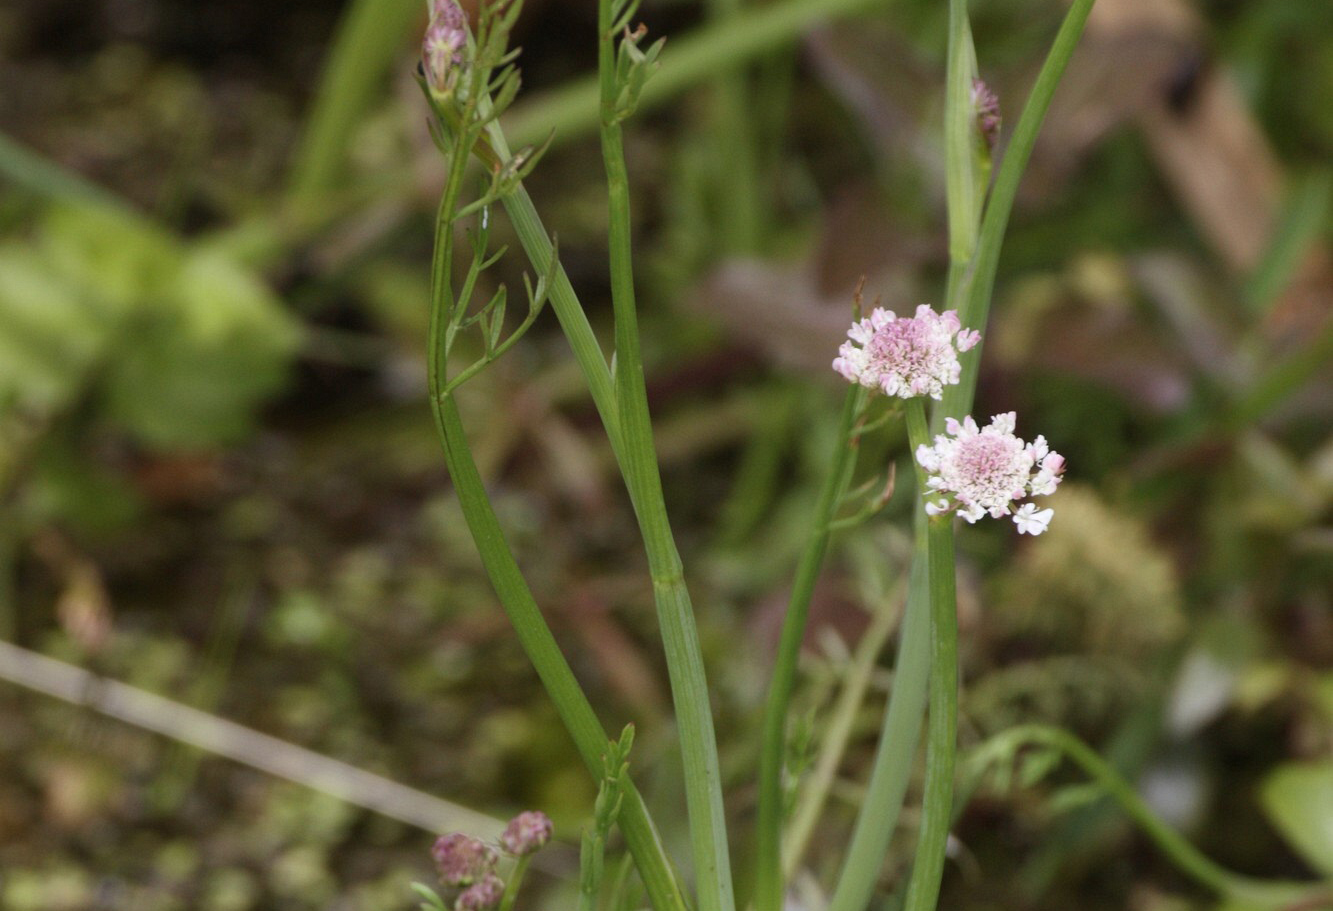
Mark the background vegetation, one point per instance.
(219, 482)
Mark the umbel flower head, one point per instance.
(905, 356)
(988, 469)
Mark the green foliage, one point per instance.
(1299, 801)
(178, 345)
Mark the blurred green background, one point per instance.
(219, 481)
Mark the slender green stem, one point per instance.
(515, 597)
(514, 883)
(897, 745)
(1187, 858)
(937, 807)
(544, 653)
(536, 243)
(836, 734)
(638, 462)
(981, 280)
(769, 885)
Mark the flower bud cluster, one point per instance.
(443, 46)
(526, 833)
(987, 106)
(469, 864)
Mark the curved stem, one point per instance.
(1187, 858)
(515, 597)
(769, 885)
(542, 650)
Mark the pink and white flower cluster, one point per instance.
(981, 470)
(905, 356)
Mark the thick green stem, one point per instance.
(937, 806)
(769, 885)
(638, 462)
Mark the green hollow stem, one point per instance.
(542, 650)
(514, 883)
(923, 888)
(979, 284)
(769, 884)
(590, 739)
(1186, 858)
(896, 749)
(680, 637)
(638, 463)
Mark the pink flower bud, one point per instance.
(987, 106)
(482, 895)
(527, 832)
(462, 859)
(442, 47)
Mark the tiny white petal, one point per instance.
(1031, 521)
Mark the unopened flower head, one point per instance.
(905, 356)
(463, 860)
(482, 895)
(987, 105)
(987, 469)
(526, 833)
(442, 48)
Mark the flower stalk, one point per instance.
(769, 881)
(462, 132)
(937, 803)
(623, 71)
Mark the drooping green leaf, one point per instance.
(1298, 799)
